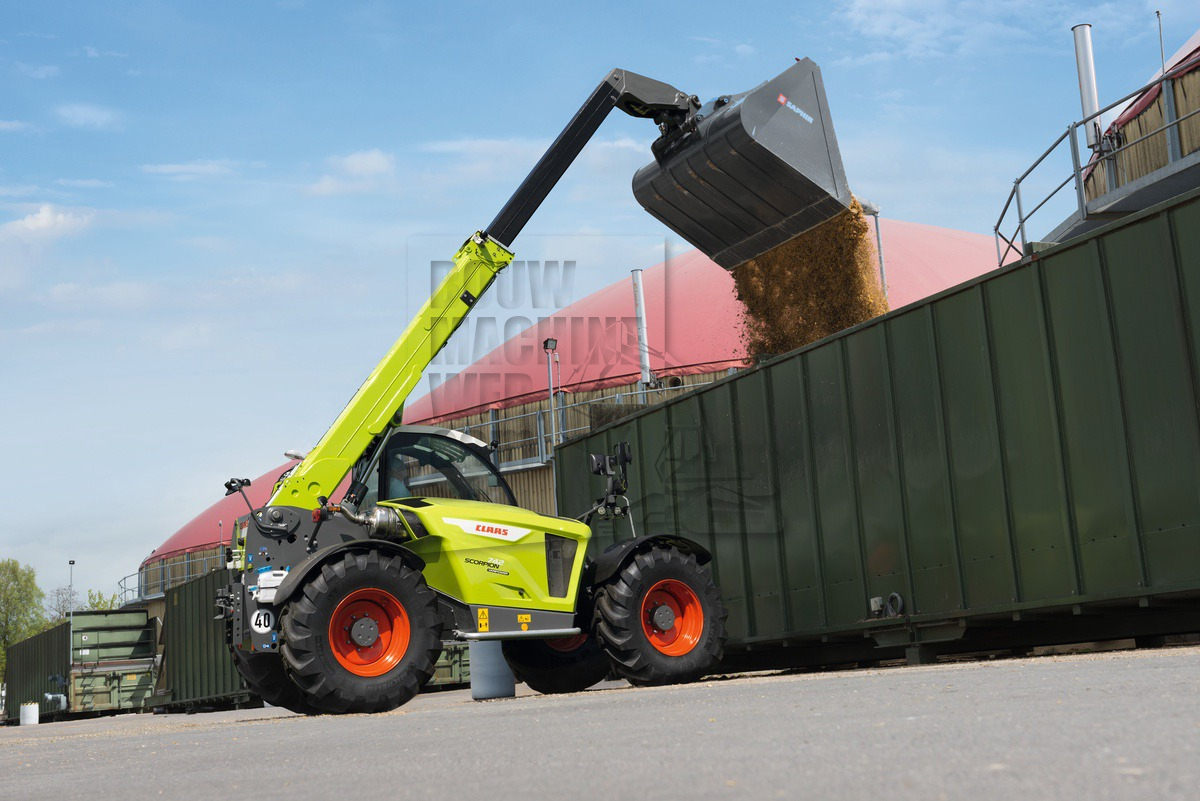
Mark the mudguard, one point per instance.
(299, 572)
(609, 563)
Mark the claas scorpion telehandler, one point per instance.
(340, 606)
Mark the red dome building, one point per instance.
(694, 333)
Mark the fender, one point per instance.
(299, 572)
(613, 560)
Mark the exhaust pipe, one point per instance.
(1086, 66)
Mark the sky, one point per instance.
(216, 216)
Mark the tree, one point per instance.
(59, 605)
(20, 605)
(101, 602)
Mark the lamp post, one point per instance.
(550, 345)
(71, 614)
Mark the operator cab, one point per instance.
(431, 462)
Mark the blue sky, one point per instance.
(209, 211)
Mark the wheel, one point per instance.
(661, 620)
(559, 665)
(265, 676)
(364, 635)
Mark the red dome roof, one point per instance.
(693, 320)
(694, 326)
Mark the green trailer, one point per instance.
(1012, 462)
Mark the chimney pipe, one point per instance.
(639, 307)
(1088, 98)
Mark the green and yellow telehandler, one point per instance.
(342, 606)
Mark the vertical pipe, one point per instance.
(879, 245)
(71, 617)
(1021, 221)
(550, 386)
(639, 308)
(1085, 65)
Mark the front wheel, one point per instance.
(364, 635)
(661, 619)
(265, 676)
(559, 665)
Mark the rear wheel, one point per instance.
(559, 665)
(265, 677)
(364, 635)
(661, 619)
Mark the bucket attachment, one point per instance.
(761, 168)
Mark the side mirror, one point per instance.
(598, 464)
(624, 453)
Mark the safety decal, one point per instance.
(483, 620)
(524, 618)
(494, 530)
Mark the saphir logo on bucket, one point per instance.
(783, 101)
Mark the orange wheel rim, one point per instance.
(567, 644)
(369, 632)
(686, 614)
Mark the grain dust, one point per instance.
(819, 283)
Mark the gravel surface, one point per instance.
(1118, 725)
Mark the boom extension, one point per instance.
(379, 402)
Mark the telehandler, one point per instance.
(342, 606)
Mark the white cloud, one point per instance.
(19, 190)
(94, 52)
(121, 295)
(86, 115)
(38, 72)
(745, 50)
(191, 170)
(194, 334)
(47, 223)
(361, 171)
(13, 125)
(83, 183)
(365, 163)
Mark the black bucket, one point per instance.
(762, 168)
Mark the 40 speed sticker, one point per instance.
(262, 621)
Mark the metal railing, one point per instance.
(1108, 152)
(155, 579)
(525, 440)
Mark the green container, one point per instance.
(197, 666)
(453, 668)
(112, 686)
(1025, 442)
(34, 667)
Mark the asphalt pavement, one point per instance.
(1118, 725)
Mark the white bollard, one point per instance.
(490, 675)
(29, 714)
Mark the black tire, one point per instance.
(265, 677)
(308, 653)
(618, 626)
(550, 670)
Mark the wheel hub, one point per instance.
(364, 632)
(663, 618)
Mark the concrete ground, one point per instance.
(1118, 725)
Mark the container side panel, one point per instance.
(975, 460)
(758, 491)
(725, 505)
(796, 510)
(1028, 423)
(1093, 424)
(845, 595)
(1159, 399)
(926, 485)
(650, 451)
(880, 508)
(688, 467)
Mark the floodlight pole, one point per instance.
(71, 614)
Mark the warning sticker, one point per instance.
(483, 620)
(524, 618)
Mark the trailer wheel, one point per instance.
(559, 665)
(265, 677)
(661, 619)
(364, 635)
